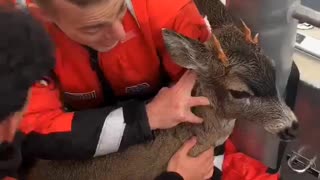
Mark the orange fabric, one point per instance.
(44, 112)
(237, 166)
(194, 28)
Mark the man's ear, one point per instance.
(186, 52)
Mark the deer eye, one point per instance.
(239, 94)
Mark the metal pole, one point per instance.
(306, 14)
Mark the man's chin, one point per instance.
(105, 48)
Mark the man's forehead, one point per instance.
(100, 12)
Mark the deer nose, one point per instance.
(290, 133)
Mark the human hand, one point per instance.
(172, 106)
(192, 168)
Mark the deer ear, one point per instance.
(185, 51)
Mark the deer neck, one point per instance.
(215, 128)
(214, 131)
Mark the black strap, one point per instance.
(109, 96)
(219, 150)
(292, 86)
(217, 174)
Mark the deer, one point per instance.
(232, 72)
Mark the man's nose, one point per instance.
(118, 31)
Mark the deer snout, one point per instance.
(283, 123)
(289, 133)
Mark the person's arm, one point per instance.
(53, 133)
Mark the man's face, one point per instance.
(9, 126)
(98, 26)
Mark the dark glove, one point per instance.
(10, 157)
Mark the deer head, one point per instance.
(236, 76)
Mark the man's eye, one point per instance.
(92, 30)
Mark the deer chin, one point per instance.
(227, 132)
